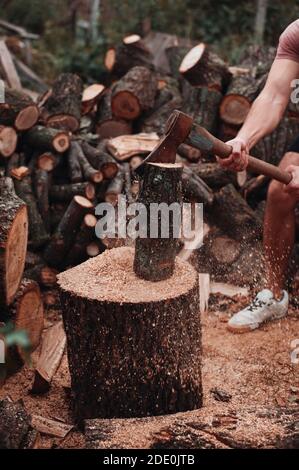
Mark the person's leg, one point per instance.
(279, 229)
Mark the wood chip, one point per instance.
(50, 426)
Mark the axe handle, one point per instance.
(201, 139)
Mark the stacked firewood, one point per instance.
(77, 146)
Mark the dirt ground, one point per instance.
(254, 368)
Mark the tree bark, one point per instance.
(16, 431)
(43, 138)
(18, 110)
(13, 240)
(108, 125)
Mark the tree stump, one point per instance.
(134, 346)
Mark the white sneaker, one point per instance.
(263, 308)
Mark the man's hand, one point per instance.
(293, 186)
(238, 159)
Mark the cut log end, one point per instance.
(8, 141)
(61, 142)
(113, 128)
(83, 202)
(64, 122)
(125, 105)
(133, 38)
(234, 109)
(192, 58)
(92, 92)
(27, 118)
(109, 60)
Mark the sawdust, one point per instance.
(110, 277)
(255, 368)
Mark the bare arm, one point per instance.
(267, 110)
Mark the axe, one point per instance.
(180, 128)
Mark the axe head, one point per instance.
(177, 130)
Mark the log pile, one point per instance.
(76, 146)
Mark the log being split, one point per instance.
(65, 233)
(134, 347)
(155, 257)
(13, 240)
(201, 67)
(64, 103)
(134, 93)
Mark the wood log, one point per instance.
(41, 183)
(74, 167)
(135, 162)
(43, 138)
(65, 233)
(160, 364)
(241, 92)
(233, 215)
(134, 93)
(202, 104)
(12, 162)
(100, 160)
(53, 346)
(13, 240)
(47, 161)
(7, 67)
(168, 98)
(125, 146)
(130, 53)
(202, 67)
(195, 189)
(190, 153)
(20, 172)
(200, 429)
(18, 110)
(38, 235)
(66, 192)
(155, 254)
(258, 59)
(115, 188)
(8, 141)
(78, 253)
(214, 175)
(16, 431)
(175, 55)
(27, 313)
(90, 173)
(64, 103)
(43, 274)
(108, 125)
(90, 97)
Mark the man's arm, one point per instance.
(265, 113)
(268, 108)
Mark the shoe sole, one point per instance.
(247, 329)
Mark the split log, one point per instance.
(64, 104)
(38, 235)
(66, 192)
(27, 313)
(53, 345)
(90, 97)
(13, 240)
(125, 146)
(79, 253)
(160, 369)
(50, 427)
(8, 141)
(131, 53)
(195, 189)
(214, 175)
(90, 173)
(202, 67)
(43, 138)
(108, 125)
(18, 110)
(16, 431)
(155, 253)
(241, 92)
(232, 214)
(44, 275)
(202, 104)
(134, 93)
(100, 160)
(20, 172)
(65, 233)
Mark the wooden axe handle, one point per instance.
(201, 139)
